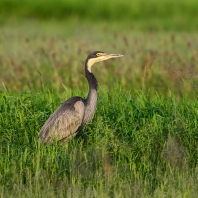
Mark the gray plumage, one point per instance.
(69, 118)
(65, 122)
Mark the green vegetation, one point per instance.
(163, 15)
(143, 141)
(135, 147)
(55, 55)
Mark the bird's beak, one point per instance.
(108, 56)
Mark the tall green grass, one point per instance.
(140, 144)
(135, 147)
(166, 14)
(55, 54)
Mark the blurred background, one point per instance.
(45, 42)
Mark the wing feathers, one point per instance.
(65, 122)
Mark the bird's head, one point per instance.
(98, 56)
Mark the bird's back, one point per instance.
(65, 122)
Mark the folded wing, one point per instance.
(65, 122)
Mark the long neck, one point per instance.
(91, 99)
(93, 83)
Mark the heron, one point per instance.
(67, 121)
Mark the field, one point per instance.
(166, 15)
(143, 141)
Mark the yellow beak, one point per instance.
(108, 56)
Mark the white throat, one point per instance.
(91, 62)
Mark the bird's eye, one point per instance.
(98, 54)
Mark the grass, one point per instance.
(135, 147)
(178, 15)
(162, 61)
(143, 139)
